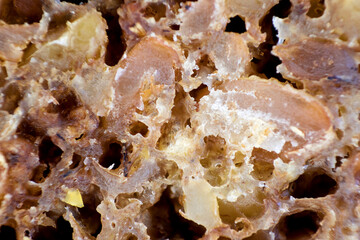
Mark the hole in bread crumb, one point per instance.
(3, 76)
(31, 196)
(7, 232)
(205, 163)
(139, 127)
(45, 84)
(342, 111)
(116, 45)
(67, 99)
(205, 67)
(112, 156)
(229, 215)
(12, 98)
(33, 190)
(250, 207)
(223, 238)
(264, 62)
(29, 12)
(188, 123)
(77, 2)
(263, 163)
(79, 137)
(62, 231)
(317, 8)
(40, 173)
(239, 159)
(27, 204)
(166, 136)
(89, 217)
(313, 183)
(338, 162)
(199, 92)
(344, 37)
(282, 9)
(49, 153)
(214, 161)
(27, 53)
(122, 200)
(167, 223)
(300, 225)
(236, 25)
(259, 235)
(29, 131)
(339, 159)
(339, 134)
(179, 115)
(131, 237)
(155, 10)
(175, 27)
(172, 171)
(76, 159)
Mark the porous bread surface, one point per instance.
(177, 119)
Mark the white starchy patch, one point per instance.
(183, 146)
(119, 73)
(290, 171)
(248, 129)
(63, 40)
(262, 184)
(163, 108)
(233, 195)
(297, 131)
(274, 143)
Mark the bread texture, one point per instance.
(174, 119)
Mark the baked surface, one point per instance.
(178, 119)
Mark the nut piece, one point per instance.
(73, 197)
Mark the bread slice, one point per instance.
(177, 119)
